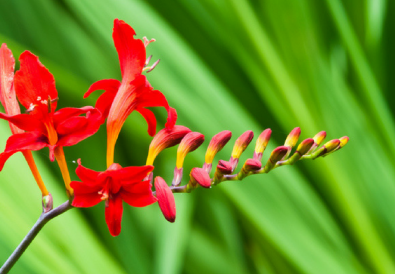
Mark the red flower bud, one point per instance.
(201, 177)
(319, 137)
(343, 141)
(216, 144)
(252, 165)
(189, 143)
(224, 167)
(166, 200)
(165, 138)
(278, 154)
(241, 143)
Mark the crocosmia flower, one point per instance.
(113, 186)
(35, 89)
(133, 92)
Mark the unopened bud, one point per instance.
(326, 148)
(292, 138)
(165, 138)
(189, 143)
(343, 141)
(319, 137)
(224, 167)
(200, 176)
(241, 143)
(305, 146)
(47, 203)
(216, 144)
(277, 155)
(166, 200)
(261, 143)
(252, 165)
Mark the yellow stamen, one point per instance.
(30, 161)
(60, 158)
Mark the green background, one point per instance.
(225, 65)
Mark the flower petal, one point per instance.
(65, 113)
(105, 100)
(22, 141)
(133, 173)
(131, 52)
(25, 122)
(76, 129)
(141, 199)
(85, 200)
(171, 118)
(149, 116)
(113, 214)
(7, 91)
(33, 82)
(86, 175)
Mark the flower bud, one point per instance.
(47, 203)
(216, 144)
(277, 155)
(200, 176)
(261, 143)
(305, 146)
(166, 200)
(224, 167)
(343, 141)
(292, 138)
(252, 165)
(241, 144)
(319, 137)
(326, 148)
(189, 143)
(165, 138)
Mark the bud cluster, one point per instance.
(225, 170)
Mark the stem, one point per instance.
(30, 161)
(42, 220)
(60, 158)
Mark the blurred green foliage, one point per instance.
(235, 65)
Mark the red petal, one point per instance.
(33, 80)
(76, 129)
(86, 200)
(65, 113)
(171, 118)
(26, 141)
(153, 98)
(133, 173)
(25, 122)
(201, 177)
(113, 214)
(138, 194)
(85, 188)
(165, 199)
(149, 116)
(131, 52)
(22, 141)
(105, 100)
(7, 91)
(86, 175)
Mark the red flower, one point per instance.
(35, 89)
(112, 186)
(166, 200)
(133, 93)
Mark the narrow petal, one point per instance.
(26, 141)
(113, 215)
(108, 85)
(149, 116)
(86, 175)
(65, 113)
(33, 82)
(131, 52)
(20, 142)
(105, 100)
(25, 122)
(7, 91)
(85, 187)
(171, 118)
